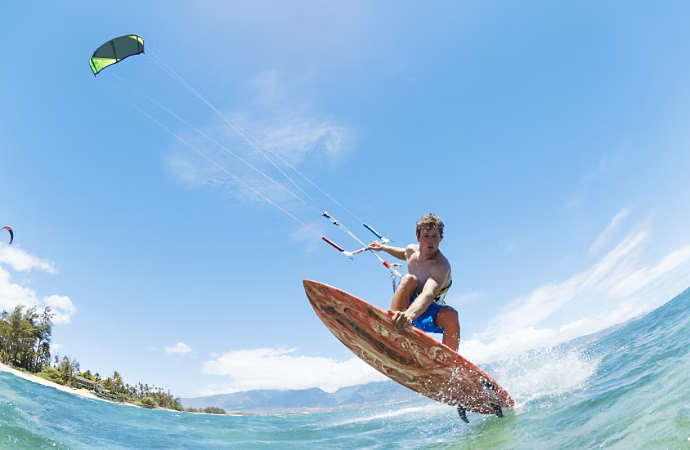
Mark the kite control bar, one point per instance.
(386, 264)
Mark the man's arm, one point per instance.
(396, 252)
(430, 290)
(425, 298)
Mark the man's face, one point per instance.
(429, 240)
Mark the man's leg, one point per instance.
(405, 291)
(447, 318)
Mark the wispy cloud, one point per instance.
(605, 237)
(616, 288)
(271, 368)
(258, 147)
(546, 300)
(180, 347)
(13, 294)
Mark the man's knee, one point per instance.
(408, 279)
(448, 318)
(404, 293)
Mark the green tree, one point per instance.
(43, 332)
(68, 368)
(51, 374)
(87, 374)
(25, 338)
(118, 385)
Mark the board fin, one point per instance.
(463, 414)
(497, 409)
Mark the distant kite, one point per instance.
(116, 50)
(11, 233)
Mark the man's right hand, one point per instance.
(375, 246)
(400, 319)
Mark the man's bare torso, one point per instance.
(423, 269)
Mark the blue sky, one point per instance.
(552, 139)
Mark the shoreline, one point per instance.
(84, 392)
(38, 380)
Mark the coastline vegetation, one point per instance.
(25, 345)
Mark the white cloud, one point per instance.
(270, 368)
(13, 294)
(283, 121)
(544, 301)
(180, 347)
(615, 289)
(22, 261)
(528, 338)
(61, 306)
(605, 237)
(261, 145)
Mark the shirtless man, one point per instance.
(418, 301)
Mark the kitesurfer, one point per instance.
(419, 298)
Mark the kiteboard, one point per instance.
(408, 355)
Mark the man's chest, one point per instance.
(420, 269)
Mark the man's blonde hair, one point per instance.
(429, 222)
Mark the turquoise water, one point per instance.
(626, 389)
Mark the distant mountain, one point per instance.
(277, 401)
(373, 393)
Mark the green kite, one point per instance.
(116, 50)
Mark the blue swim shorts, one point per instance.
(425, 322)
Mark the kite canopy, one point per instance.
(116, 50)
(11, 233)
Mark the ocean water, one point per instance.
(628, 388)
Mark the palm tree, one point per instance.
(117, 382)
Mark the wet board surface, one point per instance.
(407, 356)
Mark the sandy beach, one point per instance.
(33, 378)
(80, 392)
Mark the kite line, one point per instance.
(120, 48)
